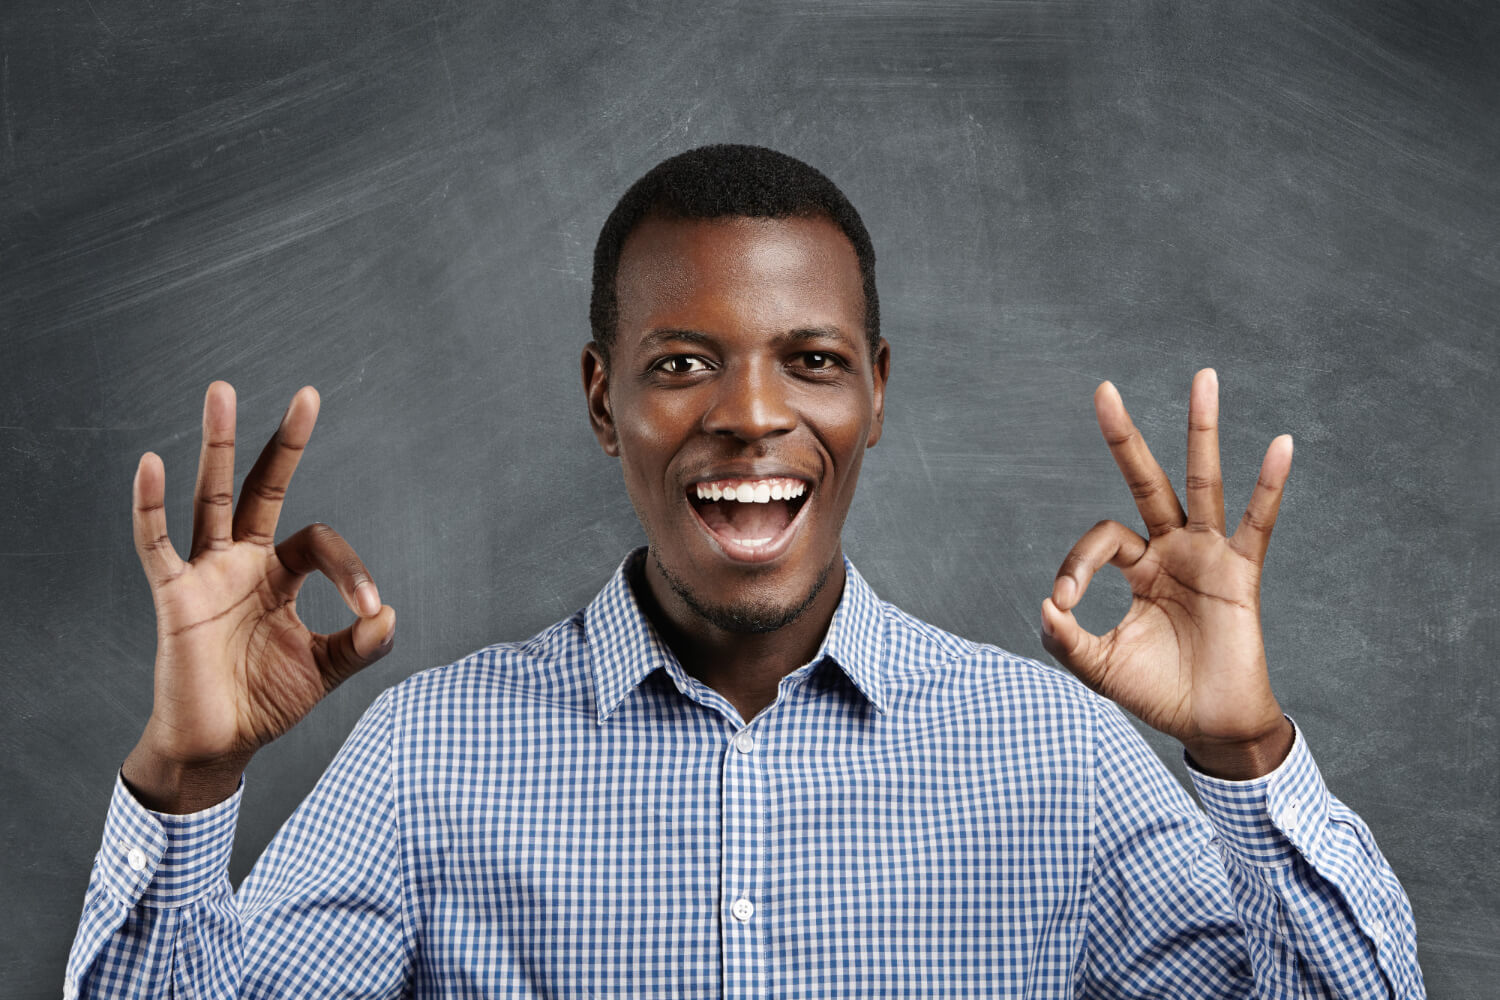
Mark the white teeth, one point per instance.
(762, 491)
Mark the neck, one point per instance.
(745, 667)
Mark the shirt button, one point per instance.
(744, 742)
(136, 859)
(742, 909)
(1291, 812)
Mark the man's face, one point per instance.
(740, 397)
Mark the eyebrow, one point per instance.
(799, 335)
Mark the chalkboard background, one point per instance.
(396, 201)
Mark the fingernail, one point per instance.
(1065, 590)
(367, 599)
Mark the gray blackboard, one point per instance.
(396, 201)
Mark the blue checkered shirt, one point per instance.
(915, 816)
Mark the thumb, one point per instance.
(347, 652)
(1072, 645)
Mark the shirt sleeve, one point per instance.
(1274, 890)
(321, 913)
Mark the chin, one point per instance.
(764, 609)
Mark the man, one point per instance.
(737, 772)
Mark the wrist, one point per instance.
(166, 784)
(1246, 758)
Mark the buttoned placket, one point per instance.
(742, 913)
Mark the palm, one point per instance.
(1187, 658)
(1192, 612)
(234, 653)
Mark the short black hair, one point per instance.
(726, 181)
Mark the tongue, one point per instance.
(746, 521)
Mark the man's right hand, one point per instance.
(235, 666)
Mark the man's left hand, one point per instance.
(1187, 658)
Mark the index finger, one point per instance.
(319, 548)
(264, 489)
(1152, 490)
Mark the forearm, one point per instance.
(1277, 893)
(159, 911)
(1320, 905)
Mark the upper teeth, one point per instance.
(752, 490)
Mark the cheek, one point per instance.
(845, 430)
(650, 434)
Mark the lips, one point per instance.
(750, 519)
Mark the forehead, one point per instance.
(718, 275)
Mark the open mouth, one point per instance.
(753, 520)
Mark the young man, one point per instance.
(737, 772)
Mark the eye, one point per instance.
(681, 364)
(820, 361)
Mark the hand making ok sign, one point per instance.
(235, 666)
(1187, 659)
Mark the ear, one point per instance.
(881, 371)
(596, 391)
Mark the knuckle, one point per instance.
(267, 491)
(1075, 567)
(218, 499)
(1201, 482)
(1257, 522)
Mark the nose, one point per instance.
(749, 403)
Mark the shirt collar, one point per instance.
(624, 648)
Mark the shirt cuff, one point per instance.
(1271, 819)
(165, 860)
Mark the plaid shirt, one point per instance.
(915, 815)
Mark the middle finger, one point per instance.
(1152, 490)
(265, 487)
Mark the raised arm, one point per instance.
(1289, 885)
(235, 666)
